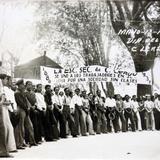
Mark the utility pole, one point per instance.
(44, 56)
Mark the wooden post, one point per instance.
(44, 58)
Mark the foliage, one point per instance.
(79, 29)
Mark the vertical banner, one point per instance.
(144, 77)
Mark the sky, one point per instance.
(17, 29)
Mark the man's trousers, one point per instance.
(24, 122)
(79, 121)
(68, 117)
(129, 116)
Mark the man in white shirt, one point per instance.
(149, 105)
(112, 119)
(13, 106)
(10, 95)
(136, 113)
(67, 112)
(41, 109)
(99, 104)
(76, 105)
(157, 112)
(127, 105)
(58, 108)
(41, 105)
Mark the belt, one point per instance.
(111, 109)
(128, 110)
(67, 106)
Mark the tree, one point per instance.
(82, 26)
(143, 17)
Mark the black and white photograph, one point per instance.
(80, 79)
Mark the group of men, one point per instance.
(53, 113)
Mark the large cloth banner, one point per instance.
(93, 73)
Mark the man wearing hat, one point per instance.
(24, 121)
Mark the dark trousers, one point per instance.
(143, 119)
(120, 115)
(60, 118)
(157, 119)
(14, 117)
(37, 119)
(24, 123)
(101, 124)
(94, 120)
(41, 122)
(68, 117)
(113, 121)
(34, 119)
(131, 117)
(50, 126)
(79, 121)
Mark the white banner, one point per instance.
(92, 74)
(144, 77)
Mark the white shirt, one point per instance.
(149, 105)
(127, 104)
(67, 100)
(10, 96)
(40, 101)
(61, 99)
(56, 99)
(135, 105)
(157, 104)
(76, 100)
(110, 102)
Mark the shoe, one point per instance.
(20, 147)
(24, 145)
(13, 151)
(92, 134)
(84, 135)
(6, 156)
(74, 136)
(33, 144)
(105, 132)
(64, 137)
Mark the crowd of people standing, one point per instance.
(30, 115)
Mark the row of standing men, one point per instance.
(28, 114)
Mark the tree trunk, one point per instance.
(143, 61)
